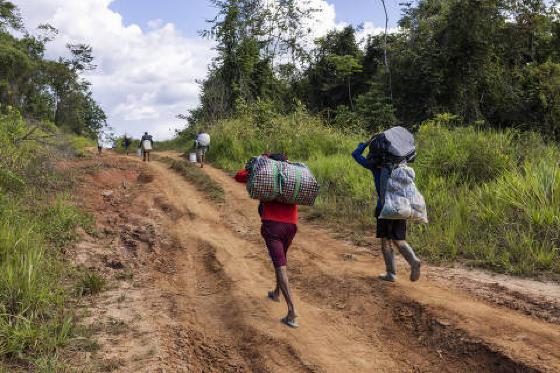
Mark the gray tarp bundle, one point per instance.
(401, 140)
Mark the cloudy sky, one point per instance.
(149, 54)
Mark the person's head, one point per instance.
(145, 133)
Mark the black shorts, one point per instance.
(391, 229)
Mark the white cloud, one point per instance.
(324, 20)
(144, 77)
(369, 29)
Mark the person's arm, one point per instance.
(358, 157)
(242, 176)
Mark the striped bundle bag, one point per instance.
(284, 182)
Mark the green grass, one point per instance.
(90, 283)
(36, 221)
(80, 143)
(493, 197)
(197, 177)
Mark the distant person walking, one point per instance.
(99, 145)
(391, 232)
(146, 144)
(279, 227)
(202, 145)
(126, 142)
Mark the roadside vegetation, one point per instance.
(47, 114)
(37, 220)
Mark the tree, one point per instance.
(9, 17)
(43, 89)
(334, 74)
(345, 67)
(376, 110)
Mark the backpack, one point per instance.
(392, 147)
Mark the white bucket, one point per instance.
(192, 157)
(139, 152)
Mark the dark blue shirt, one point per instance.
(380, 174)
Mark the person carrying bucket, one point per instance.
(146, 144)
(201, 144)
(99, 145)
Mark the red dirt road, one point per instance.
(194, 295)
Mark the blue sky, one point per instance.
(189, 15)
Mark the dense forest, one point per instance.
(495, 63)
(42, 89)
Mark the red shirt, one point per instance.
(273, 211)
(280, 212)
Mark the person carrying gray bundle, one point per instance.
(146, 144)
(389, 152)
(201, 145)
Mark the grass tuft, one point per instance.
(198, 178)
(90, 283)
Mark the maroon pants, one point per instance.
(278, 238)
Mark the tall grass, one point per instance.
(35, 223)
(493, 197)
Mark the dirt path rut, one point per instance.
(205, 287)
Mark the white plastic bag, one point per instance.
(203, 139)
(139, 152)
(402, 198)
(147, 145)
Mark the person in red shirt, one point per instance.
(279, 227)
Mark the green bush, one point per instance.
(464, 155)
(81, 143)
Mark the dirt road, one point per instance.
(189, 279)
